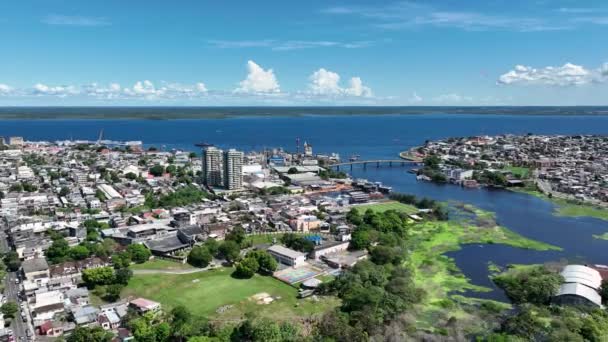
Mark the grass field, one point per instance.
(203, 293)
(522, 172)
(263, 238)
(160, 264)
(384, 206)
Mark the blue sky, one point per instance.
(492, 52)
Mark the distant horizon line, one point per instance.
(299, 106)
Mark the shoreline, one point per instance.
(226, 112)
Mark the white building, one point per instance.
(213, 166)
(580, 287)
(233, 169)
(307, 149)
(287, 256)
(25, 173)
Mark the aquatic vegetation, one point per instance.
(601, 236)
(445, 285)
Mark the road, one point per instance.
(11, 291)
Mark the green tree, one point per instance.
(230, 250)
(98, 276)
(267, 262)
(157, 170)
(131, 176)
(17, 187)
(9, 309)
(162, 332)
(79, 252)
(212, 246)
(113, 292)
(531, 285)
(58, 251)
(121, 260)
(360, 239)
(382, 255)
(139, 253)
(89, 334)
(524, 324)
(12, 261)
(143, 330)
(199, 256)
(123, 275)
(265, 330)
(353, 216)
(237, 234)
(247, 267)
(432, 162)
(64, 191)
(181, 323)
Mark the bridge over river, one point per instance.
(376, 162)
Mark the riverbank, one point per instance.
(568, 208)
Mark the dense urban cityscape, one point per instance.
(574, 167)
(86, 222)
(303, 171)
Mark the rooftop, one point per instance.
(278, 249)
(35, 265)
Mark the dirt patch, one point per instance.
(262, 298)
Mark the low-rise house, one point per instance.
(77, 297)
(55, 328)
(108, 320)
(85, 315)
(36, 270)
(191, 234)
(142, 305)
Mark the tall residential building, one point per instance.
(307, 149)
(233, 169)
(213, 166)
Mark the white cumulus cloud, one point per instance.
(325, 82)
(112, 91)
(5, 89)
(60, 91)
(148, 90)
(566, 75)
(258, 80)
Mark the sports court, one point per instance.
(294, 275)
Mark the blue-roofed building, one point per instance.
(316, 239)
(276, 160)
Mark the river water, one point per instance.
(380, 137)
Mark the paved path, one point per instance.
(194, 270)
